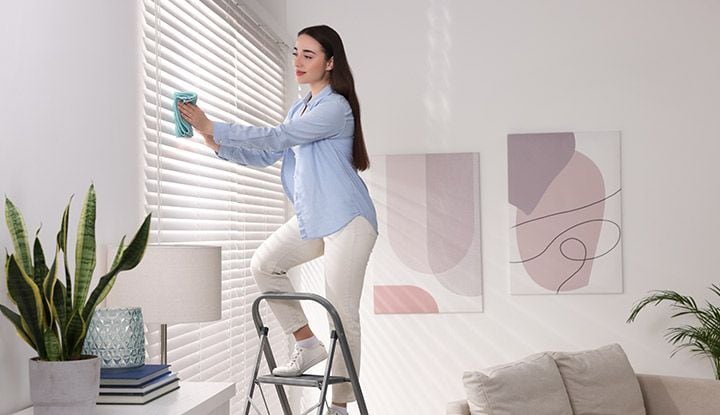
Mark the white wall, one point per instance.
(459, 75)
(69, 117)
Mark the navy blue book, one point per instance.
(132, 376)
(138, 399)
(143, 389)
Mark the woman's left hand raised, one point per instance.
(196, 117)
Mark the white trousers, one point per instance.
(346, 254)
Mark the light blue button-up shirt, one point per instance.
(320, 180)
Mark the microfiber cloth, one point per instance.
(182, 127)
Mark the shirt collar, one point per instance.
(310, 100)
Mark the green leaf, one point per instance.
(60, 312)
(74, 334)
(682, 303)
(62, 245)
(85, 250)
(118, 253)
(16, 225)
(40, 269)
(55, 300)
(7, 259)
(17, 322)
(52, 345)
(61, 307)
(125, 259)
(133, 253)
(29, 301)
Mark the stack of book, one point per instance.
(138, 385)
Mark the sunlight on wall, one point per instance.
(436, 98)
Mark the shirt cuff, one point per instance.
(220, 130)
(223, 153)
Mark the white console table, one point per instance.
(193, 398)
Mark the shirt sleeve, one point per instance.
(248, 157)
(326, 120)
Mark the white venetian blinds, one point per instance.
(214, 49)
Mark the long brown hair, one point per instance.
(342, 82)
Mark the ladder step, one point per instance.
(315, 381)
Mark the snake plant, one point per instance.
(52, 317)
(701, 339)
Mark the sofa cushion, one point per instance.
(457, 408)
(529, 386)
(600, 382)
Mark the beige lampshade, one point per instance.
(172, 284)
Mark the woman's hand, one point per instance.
(197, 118)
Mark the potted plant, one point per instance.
(53, 316)
(703, 338)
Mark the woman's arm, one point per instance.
(325, 120)
(245, 157)
(248, 157)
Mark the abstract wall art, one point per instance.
(565, 213)
(427, 258)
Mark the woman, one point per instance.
(321, 144)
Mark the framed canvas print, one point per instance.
(427, 258)
(565, 228)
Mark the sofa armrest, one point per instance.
(670, 395)
(458, 408)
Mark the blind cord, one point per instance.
(240, 243)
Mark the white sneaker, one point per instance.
(333, 411)
(301, 360)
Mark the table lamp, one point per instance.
(172, 284)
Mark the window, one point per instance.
(237, 70)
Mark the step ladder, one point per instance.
(321, 382)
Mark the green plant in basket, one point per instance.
(53, 317)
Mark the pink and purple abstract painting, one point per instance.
(565, 213)
(427, 258)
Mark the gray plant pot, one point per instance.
(64, 388)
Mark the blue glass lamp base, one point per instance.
(117, 337)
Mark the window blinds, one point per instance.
(213, 48)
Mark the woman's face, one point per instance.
(310, 64)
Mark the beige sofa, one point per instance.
(597, 382)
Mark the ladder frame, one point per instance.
(337, 335)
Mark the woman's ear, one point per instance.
(329, 65)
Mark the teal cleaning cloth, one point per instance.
(182, 127)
